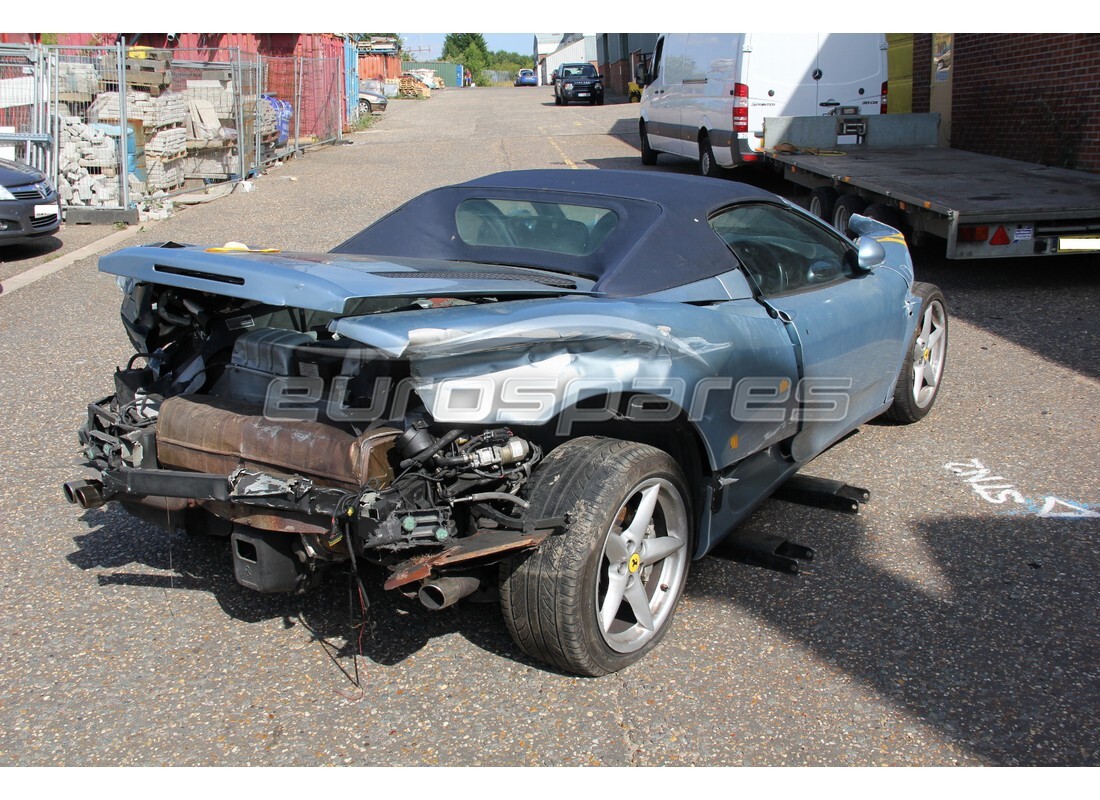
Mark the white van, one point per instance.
(707, 94)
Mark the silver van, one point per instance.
(707, 94)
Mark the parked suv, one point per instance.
(28, 203)
(577, 82)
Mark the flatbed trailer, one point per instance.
(982, 206)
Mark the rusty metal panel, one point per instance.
(375, 66)
(482, 545)
(209, 434)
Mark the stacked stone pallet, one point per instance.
(88, 166)
(167, 110)
(165, 136)
(77, 82)
(212, 135)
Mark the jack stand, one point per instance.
(764, 550)
(822, 493)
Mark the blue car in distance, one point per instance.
(555, 387)
(526, 77)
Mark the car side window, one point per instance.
(782, 250)
(655, 73)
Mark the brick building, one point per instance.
(1029, 96)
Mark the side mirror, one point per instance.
(871, 252)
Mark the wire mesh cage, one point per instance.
(121, 127)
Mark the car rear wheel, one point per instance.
(649, 155)
(922, 372)
(601, 592)
(707, 165)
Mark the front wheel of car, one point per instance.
(922, 371)
(557, 100)
(600, 592)
(365, 107)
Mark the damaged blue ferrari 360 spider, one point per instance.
(560, 385)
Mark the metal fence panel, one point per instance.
(97, 126)
(121, 127)
(314, 89)
(24, 123)
(226, 118)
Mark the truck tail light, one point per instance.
(973, 233)
(740, 108)
(885, 92)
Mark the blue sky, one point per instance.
(512, 42)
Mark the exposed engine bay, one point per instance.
(219, 423)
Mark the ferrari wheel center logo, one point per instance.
(635, 562)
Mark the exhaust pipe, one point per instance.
(443, 592)
(86, 494)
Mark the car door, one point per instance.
(847, 326)
(662, 96)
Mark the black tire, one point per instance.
(553, 597)
(365, 106)
(557, 100)
(707, 165)
(599, 101)
(887, 215)
(649, 155)
(822, 201)
(922, 371)
(846, 205)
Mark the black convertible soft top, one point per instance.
(662, 239)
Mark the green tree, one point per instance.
(470, 50)
(455, 45)
(506, 61)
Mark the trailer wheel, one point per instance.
(922, 371)
(822, 200)
(846, 205)
(649, 155)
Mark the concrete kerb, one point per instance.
(35, 274)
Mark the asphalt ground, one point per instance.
(937, 627)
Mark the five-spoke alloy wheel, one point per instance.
(922, 373)
(601, 592)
